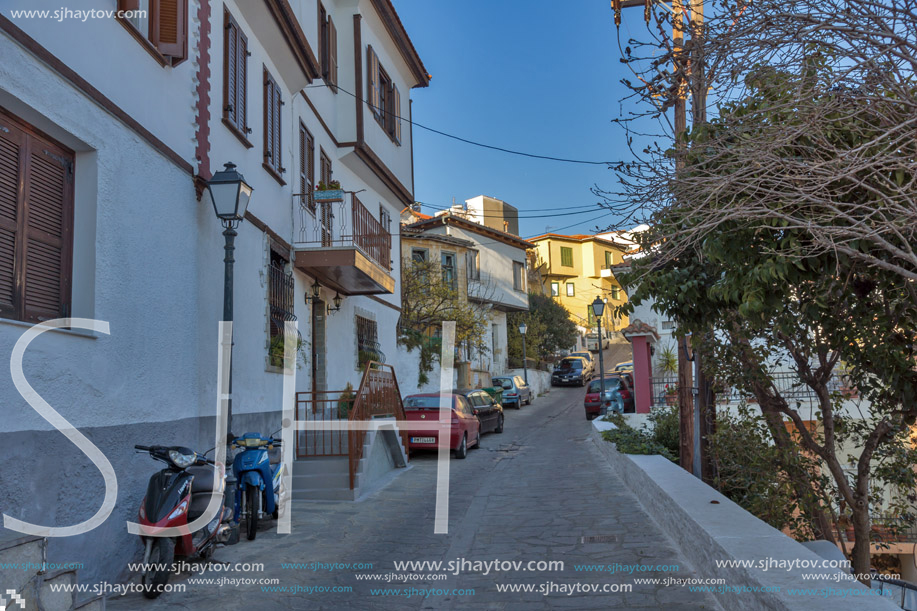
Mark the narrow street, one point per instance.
(530, 494)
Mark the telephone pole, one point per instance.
(695, 407)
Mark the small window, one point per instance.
(367, 341)
(448, 265)
(566, 256)
(280, 303)
(609, 259)
(616, 292)
(518, 276)
(272, 128)
(419, 255)
(161, 26)
(384, 97)
(571, 289)
(235, 78)
(473, 264)
(668, 325)
(555, 289)
(385, 218)
(306, 169)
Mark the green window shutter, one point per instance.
(566, 256)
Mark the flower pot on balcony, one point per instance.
(671, 399)
(329, 195)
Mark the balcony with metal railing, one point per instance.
(343, 246)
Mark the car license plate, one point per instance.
(423, 439)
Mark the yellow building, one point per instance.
(575, 269)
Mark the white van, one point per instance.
(592, 341)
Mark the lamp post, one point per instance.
(229, 194)
(598, 308)
(525, 369)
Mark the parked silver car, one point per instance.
(516, 392)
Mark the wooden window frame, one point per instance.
(555, 293)
(563, 251)
(32, 143)
(166, 54)
(419, 251)
(384, 97)
(306, 168)
(324, 162)
(235, 39)
(571, 289)
(327, 48)
(453, 282)
(521, 285)
(273, 128)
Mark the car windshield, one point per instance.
(585, 355)
(571, 364)
(595, 386)
(418, 402)
(506, 383)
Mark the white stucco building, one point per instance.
(109, 127)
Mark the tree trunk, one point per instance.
(860, 557)
(800, 479)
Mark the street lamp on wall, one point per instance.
(338, 300)
(229, 195)
(316, 293)
(525, 370)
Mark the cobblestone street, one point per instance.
(537, 492)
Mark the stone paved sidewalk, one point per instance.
(537, 492)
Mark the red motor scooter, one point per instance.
(176, 496)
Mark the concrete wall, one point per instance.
(707, 527)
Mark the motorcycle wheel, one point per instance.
(163, 554)
(251, 500)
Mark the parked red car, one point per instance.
(619, 391)
(465, 431)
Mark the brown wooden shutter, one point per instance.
(11, 147)
(372, 79)
(268, 119)
(396, 113)
(242, 82)
(322, 40)
(230, 69)
(332, 54)
(276, 128)
(128, 5)
(169, 31)
(306, 168)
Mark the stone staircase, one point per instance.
(327, 478)
(32, 586)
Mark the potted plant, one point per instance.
(329, 192)
(345, 402)
(671, 394)
(276, 351)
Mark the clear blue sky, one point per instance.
(536, 75)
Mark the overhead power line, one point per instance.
(475, 143)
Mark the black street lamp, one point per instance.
(525, 369)
(598, 308)
(229, 194)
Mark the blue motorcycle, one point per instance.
(259, 491)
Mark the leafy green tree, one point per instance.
(755, 293)
(549, 328)
(426, 302)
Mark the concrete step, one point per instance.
(322, 480)
(321, 465)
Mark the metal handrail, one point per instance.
(339, 224)
(378, 395)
